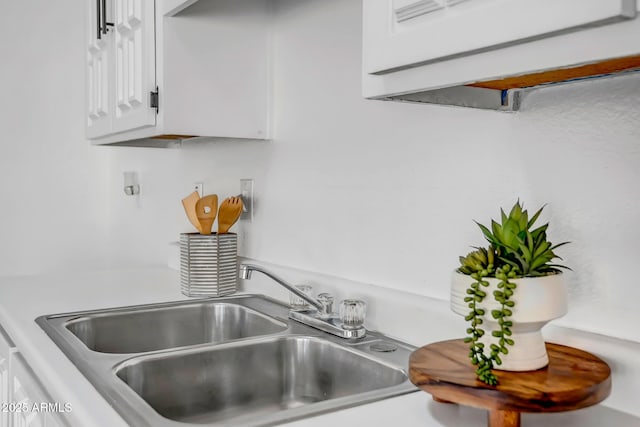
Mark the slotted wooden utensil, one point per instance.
(189, 204)
(206, 209)
(229, 212)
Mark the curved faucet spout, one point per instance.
(247, 269)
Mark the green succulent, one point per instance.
(525, 249)
(515, 250)
(482, 259)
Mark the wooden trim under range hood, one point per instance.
(596, 69)
(172, 140)
(491, 54)
(506, 94)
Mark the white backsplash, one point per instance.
(386, 193)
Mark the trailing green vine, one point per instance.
(475, 296)
(514, 251)
(476, 349)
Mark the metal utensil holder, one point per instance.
(208, 264)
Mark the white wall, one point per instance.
(51, 182)
(370, 191)
(385, 193)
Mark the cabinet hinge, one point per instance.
(153, 100)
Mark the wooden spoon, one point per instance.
(189, 204)
(206, 209)
(230, 211)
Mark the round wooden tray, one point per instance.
(573, 379)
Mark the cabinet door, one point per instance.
(4, 389)
(405, 33)
(98, 87)
(51, 420)
(135, 65)
(27, 391)
(6, 349)
(24, 395)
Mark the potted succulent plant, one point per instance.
(513, 287)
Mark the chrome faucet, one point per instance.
(321, 318)
(247, 269)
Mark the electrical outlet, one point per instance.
(199, 187)
(246, 192)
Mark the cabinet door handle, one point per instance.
(103, 18)
(98, 20)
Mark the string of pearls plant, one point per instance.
(515, 250)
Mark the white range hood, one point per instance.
(487, 53)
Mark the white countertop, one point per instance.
(22, 299)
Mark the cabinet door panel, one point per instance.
(51, 420)
(6, 348)
(98, 84)
(27, 392)
(4, 389)
(404, 33)
(134, 64)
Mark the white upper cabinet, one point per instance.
(135, 64)
(165, 70)
(99, 74)
(405, 33)
(120, 66)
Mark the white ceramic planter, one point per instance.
(538, 300)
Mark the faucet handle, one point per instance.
(352, 313)
(298, 303)
(326, 300)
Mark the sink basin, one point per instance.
(245, 383)
(235, 360)
(142, 330)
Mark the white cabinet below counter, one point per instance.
(153, 78)
(33, 406)
(25, 403)
(7, 348)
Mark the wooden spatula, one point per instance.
(189, 204)
(230, 211)
(206, 209)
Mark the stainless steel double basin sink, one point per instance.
(233, 361)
